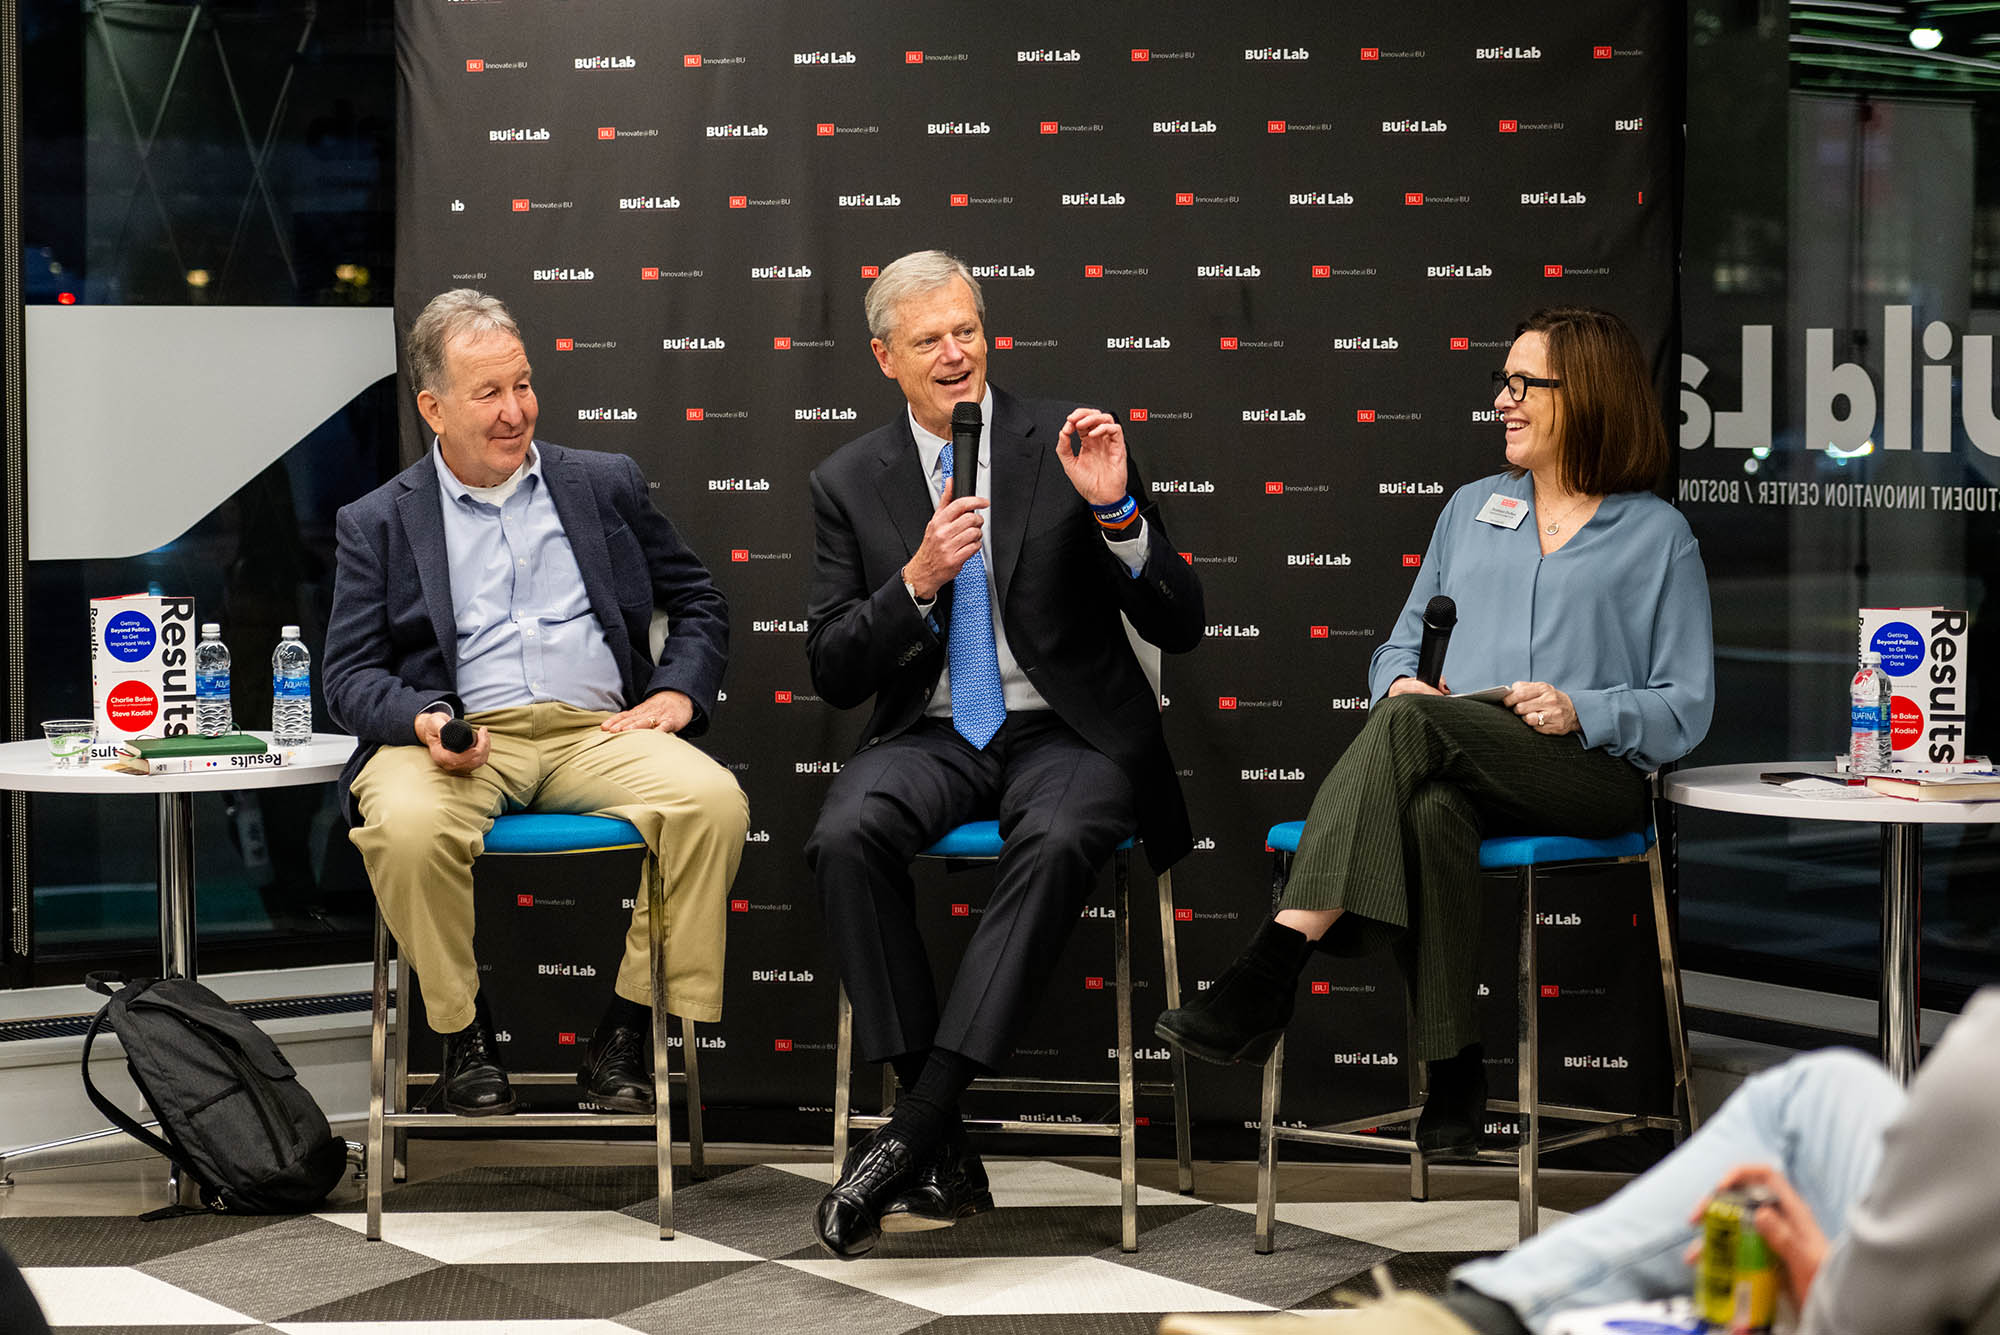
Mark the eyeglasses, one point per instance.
(1517, 384)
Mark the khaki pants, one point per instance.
(422, 827)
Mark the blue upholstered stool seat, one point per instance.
(974, 839)
(1509, 852)
(554, 832)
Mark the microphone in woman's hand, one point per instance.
(1440, 615)
(457, 735)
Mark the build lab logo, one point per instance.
(1275, 54)
(1414, 127)
(1540, 198)
(1274, 774)
(984, 272)
(564, 275)
(736, 131)
(1410, 488)
(780, 627)
(1507, 53)
(1094, 199)
(1486, 415)
(1320, 199)
(824, 414)
(1367, 343)
(1228, 631)
(739, 484)
(1558, 920)
(1318, 559)
(649, 202)
(693, 343)
(1458, 271)
(869, 201)
(607, 62)
(519, 135)
(1366, 1059)
(1046, 56)
(1182, 487)
(1184, 127)
(1260, 415)
(822, 57)
(1138, 343)
(781, 975)
(780, 272)
(1228, 271)
(607, 414)
(1595, 1063)
(956, 129)
(1632, 125)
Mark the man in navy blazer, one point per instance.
(1004, 685)
(513, 583)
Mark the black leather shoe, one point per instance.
(949, 1187)
(614, 1074)
(849, 1218)
(472, 1082)
(1455, 1108)
(1244, 1015)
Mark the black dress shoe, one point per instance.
(1244, 1015)
(949, 1187)
(614, 1072)
(1455, 1108)
(849, 1218)
(472, 1082)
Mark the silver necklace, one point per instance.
(1554, 526)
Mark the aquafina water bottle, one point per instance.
(212, 715)
(1868, 743)
(291, 691)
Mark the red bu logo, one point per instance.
(649, 274)
(1225, 702)
(739, 201)
(1003, 341)
(1318, 633)
(1600, 53)
(781, 697)
(1364, 414)
(691, 62)
(1094, 984)
(1510, 127)
(1274, 488)
(1551, 990)
(1274, 127)
(1461, 345)
(475, 66)
(1322, 988)
(1188, 557)
(1228, 345)
(1322, 271)
(1411, 560)
(1050, 127)
(1371, 53)
(961, 201)
(781, 1045)
(823, 128)
(739, 553)
(695, 414)
(781, 344)
(567, 1040)
(913, 57)
(1552, 271)
(607, 132)
(1140, 55)
(871, 271)
(739, 906)
(961, 910)
(565, 345)
(1413, 197)
(1093, 271)
(1184, 198)
(1137, 414)
(524, 901)
(520, 206)
(1142, 1121)
(1183, 915)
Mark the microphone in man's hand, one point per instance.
(457, 735)
(965, 423)
(1440, 615)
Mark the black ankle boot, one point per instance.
(1244, 1015)
(1456, 1105)
(472, 1081)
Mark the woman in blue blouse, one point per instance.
(1582, 594)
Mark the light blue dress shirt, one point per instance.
(1617, 618)
(525, 629)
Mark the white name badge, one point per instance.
(1503, 511)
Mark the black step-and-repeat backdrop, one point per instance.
(1287, 245)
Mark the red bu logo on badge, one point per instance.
(565, 345)
(961, 201)
(694, 414)
(649, 274)
(1600, 53)
(1510, 127)
(1184, 198)
(781, 344)
(520, 206)
(913, 57)
(1322, 988)
(1225, 702)
(607, 132)
(961, 910)
(1413, 196)
(1371, 53)
(1274, 488)
(823, 128)
(1093, 271)
(1003, 341)
(691, 62)
(1228, 345)
(781, 697)
(1137, 414)
(1552, 271)
(1364, 414)
(1461, 345)
(1319, 633)
(739, 553)
(524, 901)
(1322, 271)
(1140, 55)
(1050, 127)
(739, 201)
(1274, 127)
(871, 271)
(475, 66)
(1411, 560)
(1094, 984)
(739, 906)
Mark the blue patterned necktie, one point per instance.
(978, 704)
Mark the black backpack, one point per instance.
(231, 1110)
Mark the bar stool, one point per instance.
(1524, 856)
(979, 841)
(543, 834)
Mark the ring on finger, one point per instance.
(1539, 716)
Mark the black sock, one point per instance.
(909, 1068)
(1488, 1316)
(629, 1014)
(926, 1114)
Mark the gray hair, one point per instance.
(462, 310)
(911, 276)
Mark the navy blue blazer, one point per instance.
(392, 641)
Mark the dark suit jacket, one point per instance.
(1060, 592)
(392, 641)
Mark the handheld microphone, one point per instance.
(965, 424)
(1440, 615)
(457, 735)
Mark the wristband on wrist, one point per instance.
(1117, 517)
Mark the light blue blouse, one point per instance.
(1618, 618)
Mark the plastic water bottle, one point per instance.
(291, 691)
(211, 683)
(1868, 742)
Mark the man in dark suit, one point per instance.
(983, 617)
(512, 583)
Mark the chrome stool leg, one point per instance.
(1128, 1131)
(1267, 1150)
(691, 1068)
(1528, 1055)
(1171, 966)
(843, 1077)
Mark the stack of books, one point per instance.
(194, 753)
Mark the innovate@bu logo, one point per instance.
(781, 1045)
(1600, 53)
(871, 271)
(961, 910)
(1050, 127)
(1274, 488)
(565, 345)
(781, 697)
(695, 414)
(1137, 414)
(475, 66)
(1371, 53)
(1093, 984)
(781, 344)
(739, 906)
(1004, 341)
(913, 57)
(1364, 414)
(1510, 127)
(1225, 702)
(1228, 344)
(1093, 271)
(1318, 632)
(1141, 55)
(961, 201)
(1184, 198)
(691, 62)
(1552, 271)
(1461, 345)
(823, 129)
(649, 274)
(520, 206)
(524, 901)
(1413, 198)
(1274, 127)
(739, 553)
(739, 201)
(1322, 271)
(1412, 560)
(607, 132)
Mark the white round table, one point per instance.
(26, 767)
(1737, 788)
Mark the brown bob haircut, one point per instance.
(1608, 430)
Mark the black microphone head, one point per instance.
(457, 735)
(966, 417)
(1441, 612)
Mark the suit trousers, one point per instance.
(1063, 806)
(1393, 838)
(421, 828)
